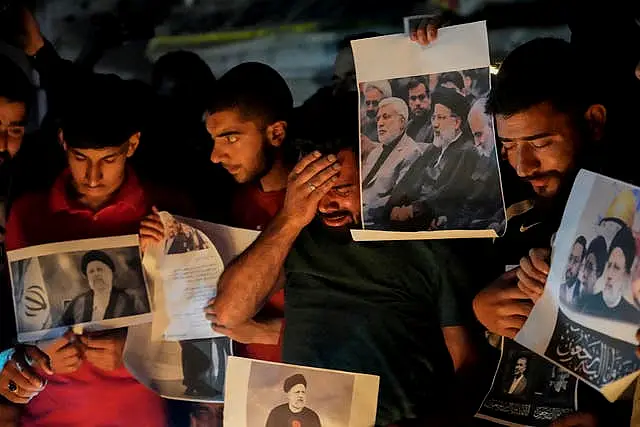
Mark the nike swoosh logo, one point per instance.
(523, 228)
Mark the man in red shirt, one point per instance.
(248, 121)
(97, 196)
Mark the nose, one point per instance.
(216, 153)
(328, 204)
(93, 175)
(526, 161)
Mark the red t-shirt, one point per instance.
(253, 208)
(90, 396)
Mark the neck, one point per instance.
(276, 178)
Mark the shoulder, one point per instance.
(25, 213)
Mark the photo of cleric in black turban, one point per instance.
(103, 300)
(294, 412)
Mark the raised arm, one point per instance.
(250, 279)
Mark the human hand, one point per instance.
(252, 332)
(312, 178)
(19, 381)
(152, 230)
(578, 419)
(533, 272)
(438, 222)
(64, 354)
(502, 307)
(402, 213)
(427, 30)
(104, 349)
(31, 39)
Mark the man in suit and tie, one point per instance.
(518, 384)
(388, 162)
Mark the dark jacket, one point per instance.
(120, 304)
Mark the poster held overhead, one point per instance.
(429, 163)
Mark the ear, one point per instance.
(596, 117)
(276, 133)
(134, 141)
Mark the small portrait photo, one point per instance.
(281, 395)
(602, 266)
(517, 380)
(70, 285)
(182, 238)
(428, 154)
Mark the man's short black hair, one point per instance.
(541, 70)
(14, 84)
(294, 380)
(451, 77)
(598, 247)
(582, 241)
(102, 114)
(256, 90)
(414, 82)
(327, 127)
(96, 255)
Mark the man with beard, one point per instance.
(103, 300)
(295, 412)
(374, 92)
(428, 196)
(420, 128)
(386, 165)
(568, 288)
(393, 309)
(610, 302)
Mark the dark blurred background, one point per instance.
(297, 37)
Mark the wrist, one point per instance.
(288, 225)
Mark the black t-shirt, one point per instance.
(376, 308)
(281, 416)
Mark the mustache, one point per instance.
(542, 175)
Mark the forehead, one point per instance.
(297, 387)
(224, 120)
(98, 153)
(388, 109)
(372, 92)
(539, 119)
(15, 111)
(442, 109)
(421, 88)
(349, 172)
(96, 263)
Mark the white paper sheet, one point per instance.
(57, 286)
(185, 272)
(458, 47)
(254, 389)
(598, 346)
(440, 179)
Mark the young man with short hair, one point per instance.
(97, 196)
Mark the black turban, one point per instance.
(96, 256)
(294, 380)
